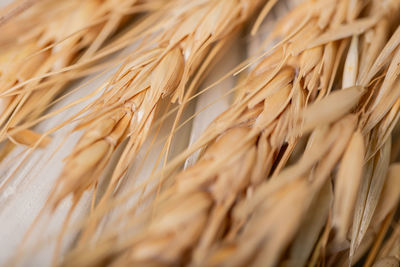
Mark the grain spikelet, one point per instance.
(334, 106)
(164, 71)
(301, 156)
(347, 185)
(371, 188)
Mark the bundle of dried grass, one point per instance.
(299, 170)
(172, 54)
(42, 53)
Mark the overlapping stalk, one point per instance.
(34, 63)
(221, 211)
(299, 171)
(174, 52)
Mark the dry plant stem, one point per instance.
(133, 94)
(376, 171)
(44, 104)
(242, 253)
(145, 80)
(330, 82)
(264, 118)
(381, 235)
(26, 106)
(14, 9)
(30, 104)
(133, 144)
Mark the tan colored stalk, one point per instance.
(170, 54)
(297, 171)
(242, 147)
(150, 75)
(375, 175)
(51, 44)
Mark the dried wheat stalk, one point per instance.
(161, 67)
(47, 46)
(300, 170)
(131, 98)
(220, 210)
